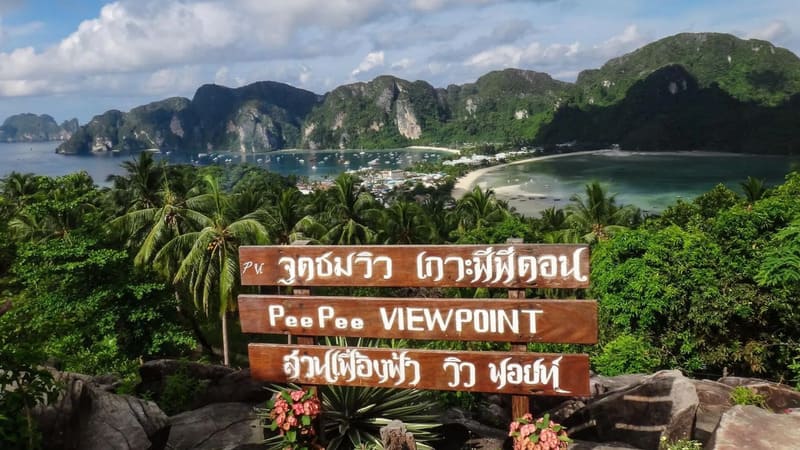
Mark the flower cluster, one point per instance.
(292, 414)
(543, 434)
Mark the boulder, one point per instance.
(754, 428)
(663, 404)
(584, 445)
(224, 426)
(216, 384)
(87, 417)
(715, 399)
(600, 384)
(779, 397)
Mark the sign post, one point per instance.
(514, 266)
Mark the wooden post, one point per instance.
(519, 403)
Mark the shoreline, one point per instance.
(438, 149)
(467, 182)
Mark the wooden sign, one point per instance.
(505, 266)
(556, 321)
(498, 372)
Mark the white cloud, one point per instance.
(402, 64)
(775, 30)
(304, 76)
(221, 76)
(516, 56)
(167, 81)
(371, 61)
(630, 39)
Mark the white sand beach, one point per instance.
(467, 182)
(438, 149)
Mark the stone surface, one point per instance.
(219, 384)
(86, 417)
(715, 399)
(599, 384)
(394, 436)
(584, 445)
(223, 426)
(779, 397)
(754, 428)
(663, 404)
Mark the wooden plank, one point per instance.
(496, 320)
(507, 266)
(498, 372)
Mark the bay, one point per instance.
(40, 158)
(649, 180)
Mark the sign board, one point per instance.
(505, 266)
(506, 372)
(496, 320)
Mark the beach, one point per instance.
(437, 149)
(467, 182)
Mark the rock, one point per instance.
(584, 445)
(715, 399)
(778, 396)
(464, 420)
(217, 426)
(395, 437)
(663, 404)
(754, 428)
(217, 384)
(599, 384)
(87, 417)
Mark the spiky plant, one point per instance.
(353, 416)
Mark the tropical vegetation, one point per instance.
(96, 280)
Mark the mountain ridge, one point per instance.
(511, 106)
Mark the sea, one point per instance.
(649, 180)
(40, 158)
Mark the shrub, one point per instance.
(626, 354)
(742, 395)
(542, 434)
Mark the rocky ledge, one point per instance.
(625, 412)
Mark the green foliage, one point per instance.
(626, 354)
(742, 395)
(353, 415)
(180, 391)
(680, 444)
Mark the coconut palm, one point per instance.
(209, 254)
(753, 189)
(405, 223)
(143, 180)
(349, 213)
(597, 215)
(479, 208)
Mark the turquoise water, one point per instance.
(651, 181)
(40, 158)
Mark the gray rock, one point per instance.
(714, 400)
(217, 384)
(584, 445)
(87, 417)
(779, 397)
(663, 404)
(216, 426)
(600, 384)
(754, 428)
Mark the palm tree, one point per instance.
(349, 214)
(144, 179)
(753, 189)
(283, 217)
(597, 215)
(405, 223)
(479, 208)
(18, 187)
(209, 255)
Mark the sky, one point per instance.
(79, 58)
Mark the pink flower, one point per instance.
(297, 395)
(297, 408)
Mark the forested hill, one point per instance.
(29, 127)
(689, 91)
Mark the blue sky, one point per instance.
(78, 58)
